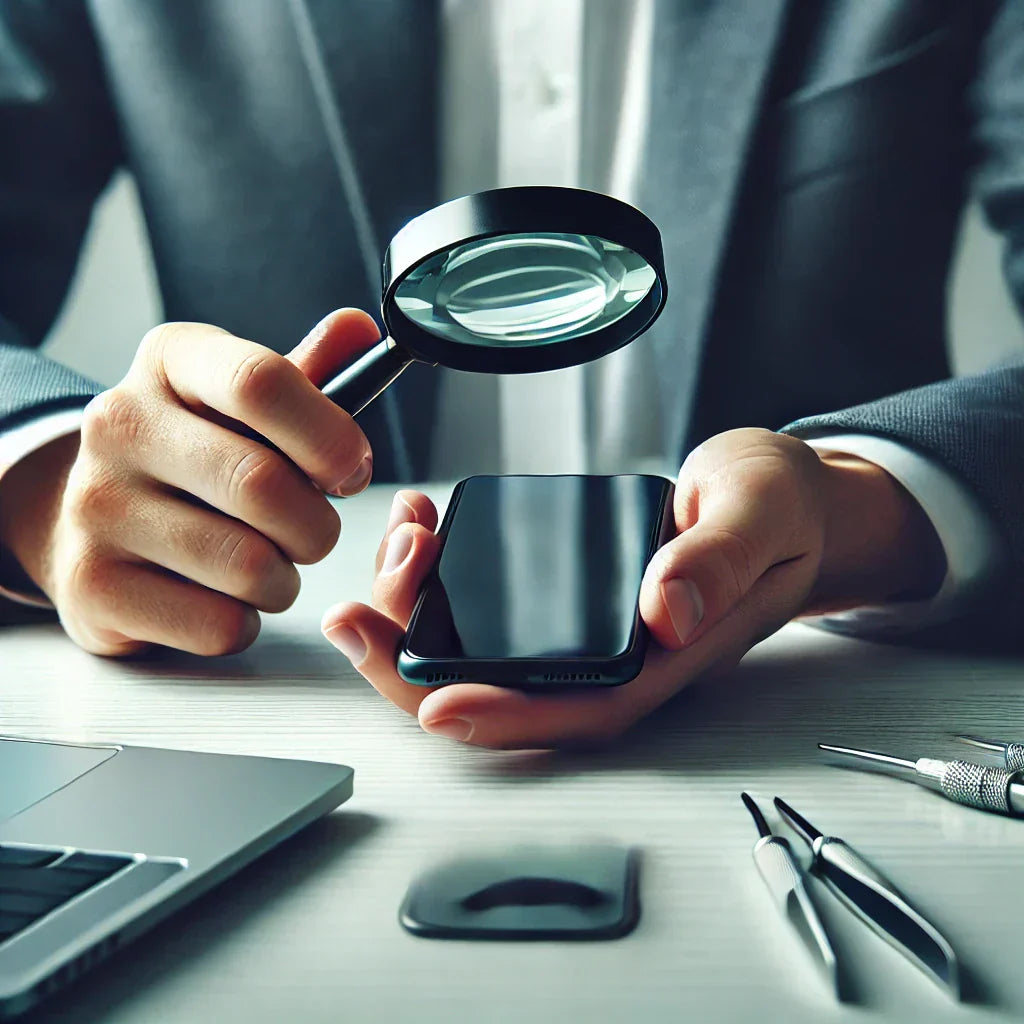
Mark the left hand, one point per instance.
(766, 529)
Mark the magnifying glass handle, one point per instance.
(361, 382)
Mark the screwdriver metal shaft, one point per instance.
(964, 782)
(1012, 753)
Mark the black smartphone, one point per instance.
(538, 581)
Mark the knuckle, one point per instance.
(113, 418)
(150, 357)
(150, 363)
(93, 499)
(257, 474)
(151, 348)
(156, 338)
(256, 381)
(737, 561)
(245, 560)
(90, 580)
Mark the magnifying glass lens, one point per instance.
(524, 289)
(472, 285)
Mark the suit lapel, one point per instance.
(380, 60)
(709, 66)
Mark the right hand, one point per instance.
(170, 524)
(766, 528)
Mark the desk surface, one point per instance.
(310, 932)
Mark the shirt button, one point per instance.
(551, 88)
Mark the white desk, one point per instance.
(310, 932)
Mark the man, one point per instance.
(806, 162)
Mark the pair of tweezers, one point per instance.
(858, 885)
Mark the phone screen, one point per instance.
(540, 567)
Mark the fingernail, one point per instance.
(685, 606)
(401, 512)
(399, 546)
(453, 728)
(349, 642)
(357, 481)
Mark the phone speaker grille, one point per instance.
(572, 677)
(444, 677)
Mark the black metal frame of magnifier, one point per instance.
(506, 211)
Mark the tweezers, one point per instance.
(864, 891)
(781, 873)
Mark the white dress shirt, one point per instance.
(538, 92)
(556, 92)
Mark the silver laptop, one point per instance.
(98, 843)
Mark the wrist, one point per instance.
(880, 546)
(31, 492)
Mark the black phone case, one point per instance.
(533, 673)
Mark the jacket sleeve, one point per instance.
(974, 426)
(59, 144)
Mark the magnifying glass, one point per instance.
(514, 280)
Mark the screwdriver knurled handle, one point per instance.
(1015, 756)
(977, 785)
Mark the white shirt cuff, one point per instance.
(972, 546)
(15, 445)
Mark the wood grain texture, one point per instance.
(310, 932)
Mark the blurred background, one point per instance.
(114, 298)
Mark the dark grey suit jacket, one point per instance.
(808, 162)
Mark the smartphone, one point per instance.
(538, 581)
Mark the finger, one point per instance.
(216, 551)
(334, 343)
(747, 522)
(406, 507)
(370, 640)
(493, 716)
(505, 719)
(242, 478)
(501, 718)
(410, 554)
(207, 367)
(143, 604)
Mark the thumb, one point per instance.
(334, 343)
(695, 580)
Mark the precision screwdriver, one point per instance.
(1012, 753)
(964, 782)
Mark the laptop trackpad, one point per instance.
(30, 771)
